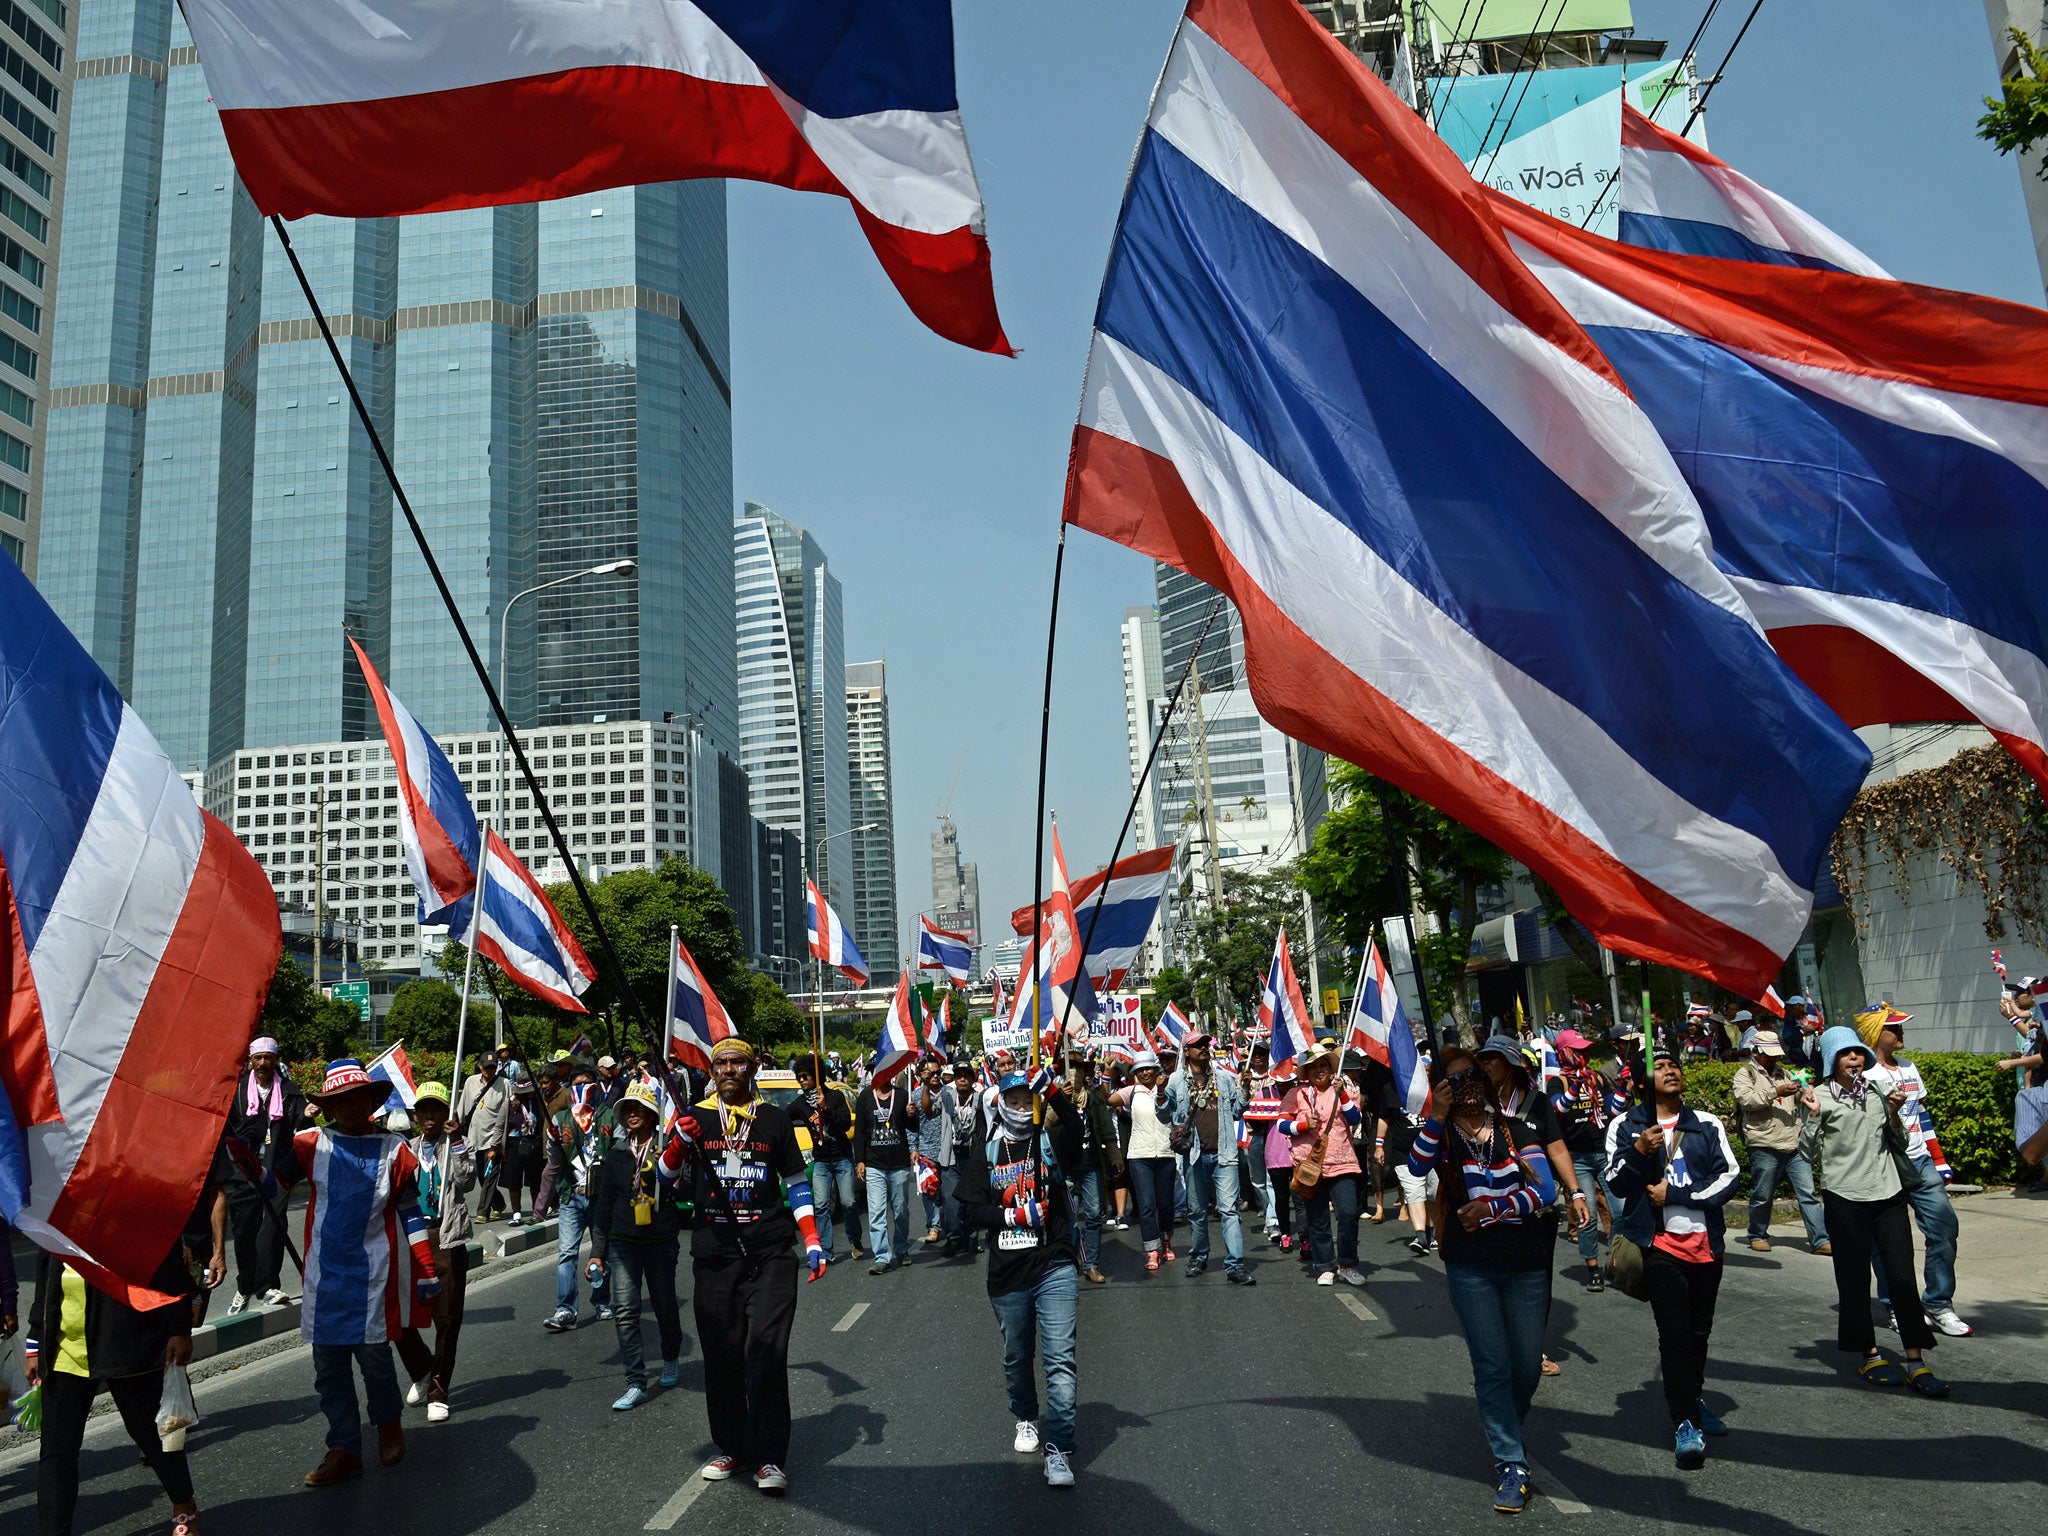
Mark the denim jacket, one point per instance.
(1177, 1107)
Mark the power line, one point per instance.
(1541, 49)
(1509, 86)
(1720, 73)
(1664, 95)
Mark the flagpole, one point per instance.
(668, 1006)
(476, 922)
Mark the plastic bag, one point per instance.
(175, 1411)
(13, 1373)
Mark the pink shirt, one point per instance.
(1339, 1156)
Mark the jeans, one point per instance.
(932, 1208)
(1937, 1221)
(1046, 1309)
(575, 1221)
(1338, 1192)
(1765, 1169)
(888, 1213)
(1152, 1183)
(949, 1207)
(1593, 1176)
(652, 1267)
(1086, 1187)
(1682, 1299)
(1502, 1313)
(1261, 1178)
(832, 1190)
(334, 1368)
(1211, 1183)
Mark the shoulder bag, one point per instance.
(1309, 1172)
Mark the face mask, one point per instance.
(1016, 1122)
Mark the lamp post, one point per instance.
(818, 964)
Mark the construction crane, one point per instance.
(946, 805)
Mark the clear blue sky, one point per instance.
(933, 475)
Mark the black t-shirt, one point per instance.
(981, 1190)
(1387, 1106)
(1582, 1136)
(881, 1131)
(1537, 1112)
(749, 1153)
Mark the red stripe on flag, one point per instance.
(25, 1075)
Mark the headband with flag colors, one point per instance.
(395, 1067)
(434, 814)
(524, 934)
(940, 949)
(1322, 382)
(898, 1047)
(384, 107)
(1114, 910)
(1283, 1011)
(137, 943)
(830, 942)
(1379, 1028)
(696, 1019)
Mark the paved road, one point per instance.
(1285, 1407)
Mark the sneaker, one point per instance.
(1891, 1320)
(1327, 1277)
(1760, 1245)
(1196, 1267)
(1121, 1224)
(629, 1399)
(1689, 1447)
(1511, 1489)
(770, 1478)
(671, 1373)
(437, 1413)
(719, 1468)
(1272, 1233)
(1027, 1438)
(1419, 1244)
(878, 1269)
(416, 1393)
(1947, 1322)
(1708, 1421)
(516, 1220)
(605, 1314)
(1287, 1243)
(238, 1305)
(1596, 1280)
(561, 1320)
(1351, 1275)
(1239, 1277)
(1059, 1472)
(275, 1297)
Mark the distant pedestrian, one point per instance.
(266, 1112)
(1205, 1102)
(1318, 1116)
(484, 1118)
(1095, 1168)
(959, 1117)
(1150, 1160)
(1581, 1095)
(634, 1240)
(884, 1121)
(582, 1138)
(1883, 1029)
(447, 1172)
(827, 1109)
(1767, 1110)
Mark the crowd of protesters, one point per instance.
(1524, 1140)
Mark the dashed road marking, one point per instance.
(852, 1316)
(665, 1518)
(1357, 1308)
(1567, 1503)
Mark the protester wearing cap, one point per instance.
(1013, 1187)
(611, 1082)
(753, 1200)
(1767, 1111)
(635, 1231)
(484, 1114)
(1584, 1102)
(358, 1173)
(1150, 1159)
(1883, 1028)
(266, 1112)
(1318, 1116)
(447, 1170)
(1204, 1104)
(1853, 1131)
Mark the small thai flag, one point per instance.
(394, 1068)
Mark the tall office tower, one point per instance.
(792, 683)
(956, 887)
(33, 128)
(874, 808)
(1183, 605)
(1144, 682)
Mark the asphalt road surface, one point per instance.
(1203, 1407)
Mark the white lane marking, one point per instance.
(852, 1316)
(1566, 1501)
(1357, 1308)
(665, 1518)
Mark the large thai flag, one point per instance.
(137, 943)
(380, 107)
(898, 1047)
(830, 942)
(1872, 457)
(1380, 1029)
(1121, 903)
(940, 949)
(523, 933)
(696, 1019)
(1675, 196)
(440, 828)
(1283, 1011)
(1323, 383)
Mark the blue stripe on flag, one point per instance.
(520, 928)
(346, 1203)
(1695, 237)
(1300, 365)
(842, 58)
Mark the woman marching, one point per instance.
(1150, 1160)
(1494, 1180)
(635, 1238)
(1672, 1168)
(1318, 1116)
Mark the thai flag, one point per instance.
(1379, 1028)
(1322, 382)
(696, 1019)
(1677, 197)
(996, 984)
(1872, 458)
(523, 933)
(1998, 964)
(137, 943)
(940, 949)
(382, 107)
(1172, 1025)
(1772, 1002)
(937, 1026)
(898, 1046)
(583, 1046)
(1121, 904)
(1283, 1011)
(395, 1068)
(830, 941)
(440, 829)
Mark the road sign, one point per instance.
(357, 992)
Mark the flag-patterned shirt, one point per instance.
(366, 1246)
(1512, 1182)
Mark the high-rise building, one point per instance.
(792, 692)
(956, 887)
(1185, 605)
(1144, 682)
(552, 382)
(34, 123)
(874, 818)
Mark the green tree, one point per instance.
(2017, 120)
(1171, 985)
(1234, 941)
(777, 1023)
(425, 1013)
(306, 1026)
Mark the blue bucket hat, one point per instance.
(1834, 1040)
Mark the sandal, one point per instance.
(1923, 1380)
(1551, 1367)
(1880, 1372)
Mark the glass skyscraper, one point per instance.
(874, 808)
(552, 382)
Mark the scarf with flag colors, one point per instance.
(940, 949)
(830, 942)
(1283, 1011)
(385, 107)
(696, 1019)
(137, 943)
(1380, 1029)
(523, 933)
(434, 816)
(898, 1047)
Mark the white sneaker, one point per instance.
(1891, 1320)
(275, 1297)
(239, 1305)
(1327, 1277)
(1059, 1472)
(1947, 1322)
(1027, 1438)
(415, 1394)
(437, 1413)
(1350, 1275)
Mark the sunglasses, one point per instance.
(1461, 1074)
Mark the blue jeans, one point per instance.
(1152, 1180)
(949, 1207)
(1086, 1187)
(575, 1221)
(1937, 1222)
(334, 1368)
(888, 1214)
(1214, 1184)
(832, 1190)
(1502, 1313)
(1765, 1169)
(1593, 1176)
(934, 1206)
(1253, 1161)
(1045, 1310)
(652, 1267)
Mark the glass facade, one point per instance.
(1183, 605)
(35, 47)
(873, 856)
